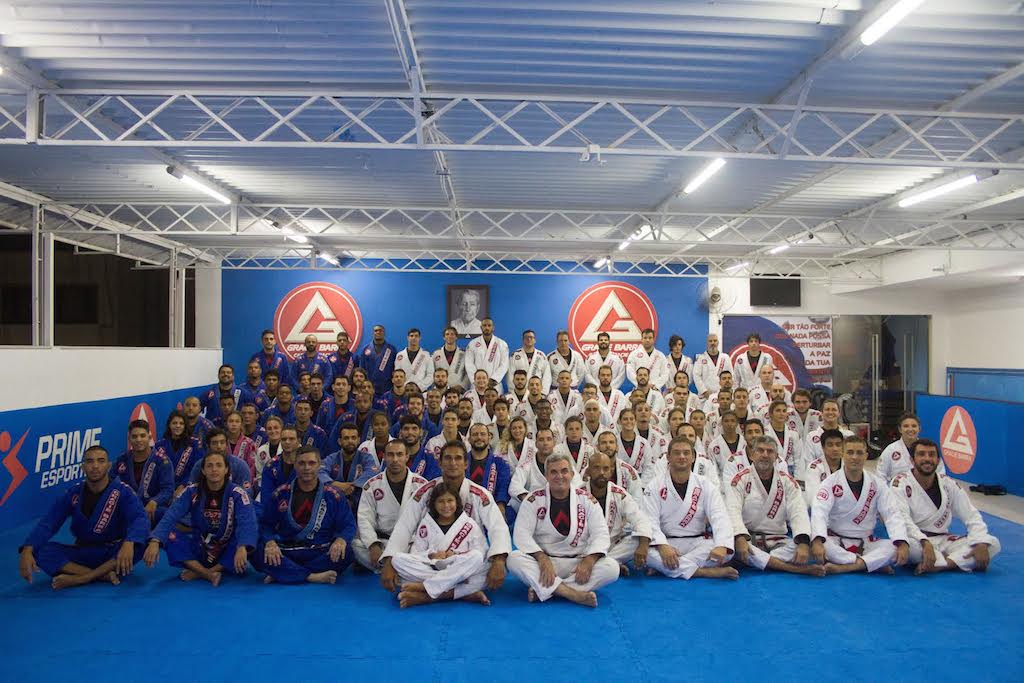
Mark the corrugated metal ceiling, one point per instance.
(737, 50)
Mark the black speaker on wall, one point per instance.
(774, 291)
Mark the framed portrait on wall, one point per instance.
(467, 306)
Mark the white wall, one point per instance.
(980, 328)
(208, 320)
(37, 377)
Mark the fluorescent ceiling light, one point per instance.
(330, 259)
(624, 245)
(938, 191)
(192, 182)
(294, 236)
(601, 262)
(779, 249)
(702, 177)
(737, 266)
(887, 21)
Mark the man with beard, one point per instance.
(342, 361)
(709, 366)
(476, 502)
(312, 361)
(107, 522)
(485, 468)
(764, 505)
(929, 500)
(489, 353)
(451, 358)
(270, 358)
(604, 357)
(381, 503)
(565, 357)
(620, 511)
(420, 461)
(377, 360)
(612, 400)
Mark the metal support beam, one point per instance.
(34, 111)
(42, 281)
(77, 219)
(475, 230)
(176, 303)
(525, 123)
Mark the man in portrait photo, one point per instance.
(467, 306)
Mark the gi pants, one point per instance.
(523, 565)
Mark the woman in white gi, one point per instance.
(446, 561)
(896, 456)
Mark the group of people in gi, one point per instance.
(443, 471)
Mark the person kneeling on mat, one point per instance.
(223, 526)
(107, 520)
(307, 528)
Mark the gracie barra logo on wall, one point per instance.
(959, 440)
(319, 309)
(784, 374)
(617, 308)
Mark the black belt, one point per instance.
(935, 533)
(696, 536)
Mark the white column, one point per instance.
(176, 303)
(42, 281)
(208, 307)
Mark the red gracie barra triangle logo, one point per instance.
(319, 309)
(619, 309)
(959, 440)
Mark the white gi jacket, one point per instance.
(836, 510)
(379, 509)
(594, 363)
(537, 367)
(456, 369)
(623, 514)
(923, 519)
(476, 502)
(754, 510)
(654, 361)
(491, 357)
(688, 516)
(588, 532)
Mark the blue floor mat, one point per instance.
(766, 627)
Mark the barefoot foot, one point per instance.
(412, 599)
(479, 597)
(323, 577)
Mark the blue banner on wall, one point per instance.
(42, 448)
(295, 303)
(800, 347)
(976, 437)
